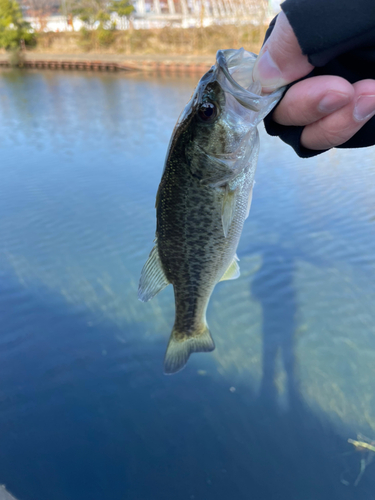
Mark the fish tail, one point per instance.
(181, 346)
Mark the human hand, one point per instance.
(330, 108)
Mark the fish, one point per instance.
(204, 198)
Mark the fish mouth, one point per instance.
(248, 99)
(234, 73)
(226, 59)
(241, 63)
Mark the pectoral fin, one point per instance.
(228, 209)
(233, 271)
(153, 279)
(249, 202)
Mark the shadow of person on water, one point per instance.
(273, 287)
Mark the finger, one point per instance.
(338, 127)
(281, 60)
(312, 99)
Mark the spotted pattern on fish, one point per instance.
(191, 243)
(201, 205)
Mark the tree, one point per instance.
(91, 11)
(99, 11)
(123, 8)
(13, 27)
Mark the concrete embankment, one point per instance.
(115, 62)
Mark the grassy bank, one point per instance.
(193, 41)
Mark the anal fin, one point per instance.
(153, 279)
(249, 202)
(233, 271)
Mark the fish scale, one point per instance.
(203, 200)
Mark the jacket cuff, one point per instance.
(291, 136)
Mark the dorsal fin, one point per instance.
(153, 279)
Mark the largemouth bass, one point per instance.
(204, 198)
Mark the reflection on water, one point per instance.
(85, 411)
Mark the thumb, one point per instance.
(281, 60)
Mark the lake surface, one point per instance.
(85, 410)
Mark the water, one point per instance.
(85, 410)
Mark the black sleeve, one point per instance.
(338, 36)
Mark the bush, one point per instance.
(105, 37)
(193, 41)
(94, 39)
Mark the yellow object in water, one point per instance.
(363, 445)
(366, 446)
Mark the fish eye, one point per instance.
(207, 112)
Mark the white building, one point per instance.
(176, 13)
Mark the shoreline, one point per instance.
(153, 63)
